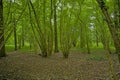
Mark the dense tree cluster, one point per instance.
(59, 25)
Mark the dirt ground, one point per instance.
(27, 66)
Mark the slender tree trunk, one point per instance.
(30, 44)
(88, 47)
(97, 39)
(50, 37)
(117, 25)
(23, 40)
(82, 35)
(61, 24)
(2, 49)
(112, 28)
(117, 18)
(19, 41)
(44, 51)
(113, 32)
(15, 36)
(55, 27)
(119, 11)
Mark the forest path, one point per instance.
(27, 66)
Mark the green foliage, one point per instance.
(96, 57)
(80, 24)
(9, 48)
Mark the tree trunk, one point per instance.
(55, 27)
(30, 44)
(15, 36)
(112, 28)
(50, 37)
(23, 40)
(88, 46)
(19, 41)
(97, 38)
(117, 24)
(82, 35)
(2, 45)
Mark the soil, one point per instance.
(28, 66)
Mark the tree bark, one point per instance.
(2, 49)
(111, 26)
(55, 27)
(15, 35)
(97, 38)
(23, 34)
(82, 39)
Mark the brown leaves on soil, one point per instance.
(26, 66)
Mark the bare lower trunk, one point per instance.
(23, 40)
(2, 45)
(55, 27)
(15, 36)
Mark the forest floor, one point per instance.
(79, 66)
